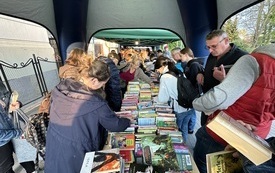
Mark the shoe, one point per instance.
(190, 131)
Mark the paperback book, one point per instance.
(123, 141)
(223, 161)
(103, 161)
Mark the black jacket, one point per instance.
(112, 88)
(191, 70)
(228, 59)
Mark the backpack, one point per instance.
(187, 92)
(36, 132)
(37, 126)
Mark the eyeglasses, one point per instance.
(214, 46)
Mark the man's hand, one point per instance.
(230, 148)
(200, 78)
(248, 126)
(219, 73)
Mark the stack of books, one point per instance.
(166, 122)
(129, 114)
(147, 121)
(129, 102)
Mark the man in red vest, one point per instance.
(247, 93)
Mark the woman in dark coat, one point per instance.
(79, 118)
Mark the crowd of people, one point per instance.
(84, 103)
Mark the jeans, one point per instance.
(183, 119)
(266, 167)
(192, 121)
(205, 144)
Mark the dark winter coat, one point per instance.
(112, 87)
(78, 122)
(192, 69)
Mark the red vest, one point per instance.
(257, 105)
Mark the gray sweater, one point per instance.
(237, 82)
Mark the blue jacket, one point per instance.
(7, 131)
(78, 122)
(112, 87)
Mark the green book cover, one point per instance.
(158, 151)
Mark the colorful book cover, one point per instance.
(138, 149)
(184, 160)
(223, 161)
(140, 168)
(127, 155)
(158, 151)
(150, 113)
(146, 121)
(101, 161)
(166, 122)
(123, 141)
(183, 156)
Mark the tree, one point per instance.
(254, 26)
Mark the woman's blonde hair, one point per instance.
(75, 57)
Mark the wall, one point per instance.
(19, 40)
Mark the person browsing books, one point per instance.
(133, 72)
(168, 91)
(191, 70)
(79, 118)
(7, 131)
(222, 52)
(247, 93)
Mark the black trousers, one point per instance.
(28, 166)
(7, 161)
(203, 118)
(6, 158)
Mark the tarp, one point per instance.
(144, 37)
(76, 21)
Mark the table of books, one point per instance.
(151, 144)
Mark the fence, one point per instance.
(31, 79)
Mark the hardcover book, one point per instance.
(223, 161)
(103, 161)
(140, 168)
(245, 141)
(158, 151)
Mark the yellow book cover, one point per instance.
(223, 162)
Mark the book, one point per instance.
(183, 156)
(101, 161)
(127, 155)
(223, 161)
(140, 168)
(245, 141)
(125, 141)
(158, 151)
